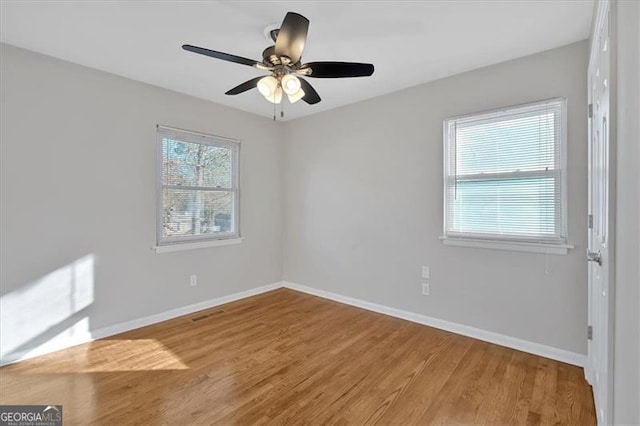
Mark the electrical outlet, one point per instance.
(426, 272)
(193, 280)
(425, 289)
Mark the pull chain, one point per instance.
(279, 86)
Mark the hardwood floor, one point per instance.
(285, 357)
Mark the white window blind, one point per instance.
(197, 187)
(504, 174)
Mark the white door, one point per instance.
(599, 368)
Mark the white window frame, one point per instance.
(168, 244)
(505, 242)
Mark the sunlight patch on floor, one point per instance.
(104, 356)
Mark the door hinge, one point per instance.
(590, 332)
(590, 221)
(590, 111)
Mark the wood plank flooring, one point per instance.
(285, 357)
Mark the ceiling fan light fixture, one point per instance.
(291, 84)
(267, 86)
(296, 96)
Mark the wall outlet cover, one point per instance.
(426, 272)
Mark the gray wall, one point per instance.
(626, 392)
(363, 205)
(78, 201)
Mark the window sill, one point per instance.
(562, 249)
(195, 245)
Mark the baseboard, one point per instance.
(465, 330)
(178, 312)
(111, 330)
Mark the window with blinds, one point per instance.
(504, 175)
(197, 187)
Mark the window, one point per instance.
(197, 187)
(504, 175)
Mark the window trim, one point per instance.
(168, 248)
(530, 247)
(514, 243)
(197, 241)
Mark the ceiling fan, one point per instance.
(283, 61)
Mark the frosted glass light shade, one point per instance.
(290, 84)
(276, 97)
(267, 86)
(296, 96)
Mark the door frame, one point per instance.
(604, 8)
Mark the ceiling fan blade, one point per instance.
(247, 85)
(220, 55)
(310, 95)
(292, 36)
(337, 69)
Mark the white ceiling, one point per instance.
(408, 42)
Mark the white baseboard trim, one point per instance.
(178, 312)
(114, 329)
(465, 330)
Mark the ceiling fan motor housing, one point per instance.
(269, 57)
